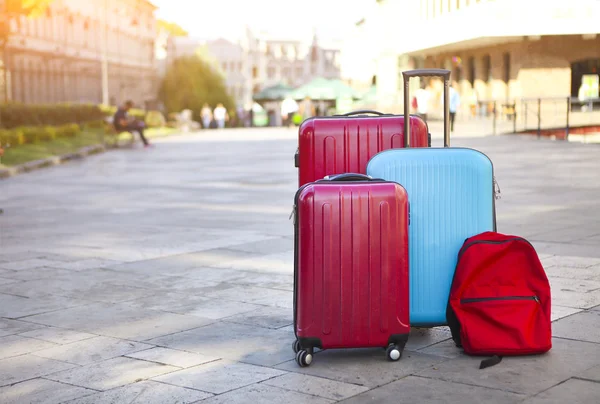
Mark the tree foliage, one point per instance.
(189, 83)
(29, 8)
(15, 8)
(172, 28)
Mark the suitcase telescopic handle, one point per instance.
(349, 177)
(363, 112)
(444, 74)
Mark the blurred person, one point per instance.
(124, 123)
(288, 108)
(422, 96)
(454, 105)
(220, 115)
(307, 109)
(206, 115)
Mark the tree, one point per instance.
(171, 28)
(189, 83)
(10, 9)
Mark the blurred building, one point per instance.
(496, 49)
(259, 60)
(57, 57)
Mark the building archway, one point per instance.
(581, 68)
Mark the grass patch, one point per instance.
(30, 152)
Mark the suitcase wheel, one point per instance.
(296, 346)
(304, 358)
(393, 352)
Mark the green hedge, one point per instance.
(36, 134)
(16, 115)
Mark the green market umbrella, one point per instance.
(321, 89)
(277, 92)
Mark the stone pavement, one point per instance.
(165, 276)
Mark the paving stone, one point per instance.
(591, 273)
(266, 317)
(4, 281)
(422, 337)
(572, 391)
(24, 367)
(57, 335)
(559, 312)
(77, 287)
(364, 367)
(29, 264)
(591, 374)
(147, 392)
(572, 262)
(267, 246)
(261, 393)
(576, 299)
(527, 375)
(219, 376)
(82, 265)
(445, 349)
(263, 296)
(14, 345)
(92, 350)
(316, 386)
(581, 326)
(271, 281)
(111, 373)
(573, 285)
(14, 307)
(183, 303)
(280, 263)
(421, 390)
(238, 342)
(172, 357)
(120, 321)
(41, 391)
(39, 273)
(10, 327)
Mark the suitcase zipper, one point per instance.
(489, 299)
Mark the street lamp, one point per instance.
(105, 95)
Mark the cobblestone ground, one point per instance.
(165, 276)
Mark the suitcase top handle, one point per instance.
(349, 177)
(363, 112)
(444, 74)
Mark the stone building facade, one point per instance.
(501, 49)
(58, 56)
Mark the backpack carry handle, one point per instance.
(348, 177)
(444, 74)
(363, 112)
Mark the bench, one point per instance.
(112, 133)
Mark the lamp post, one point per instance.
(105, 95)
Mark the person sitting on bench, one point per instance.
(123, 123)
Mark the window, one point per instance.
(487, 68)
(506, 66)
(254, 72)
(225, 66)
(471, 68)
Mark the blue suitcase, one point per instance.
(452, 197)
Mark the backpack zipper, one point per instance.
(488, 299)
(464, 247)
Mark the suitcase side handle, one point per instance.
(349, 177)
(363, 112)
(445, 75)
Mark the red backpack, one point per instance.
(500, 299)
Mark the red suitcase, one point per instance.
(345, 143)
(351, 266)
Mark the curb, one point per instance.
(51, 161)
